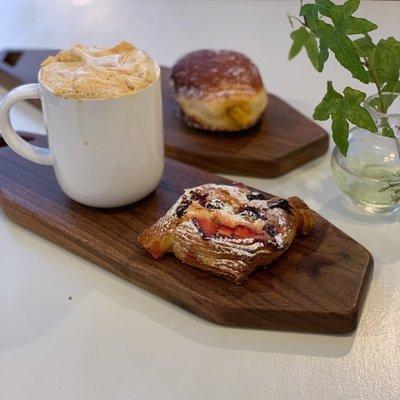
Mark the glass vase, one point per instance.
(370, 174)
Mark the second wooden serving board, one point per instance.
(318, 285)
(283, 139)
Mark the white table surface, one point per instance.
(115, 341)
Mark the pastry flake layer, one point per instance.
(227, 230)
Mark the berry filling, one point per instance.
(201, 198)
(208, 229)
(251, 212)
(225, 231)
(255, 196)
(280, 203)
(213, 219)
(215, 204)
(245, 232)
(181, 209)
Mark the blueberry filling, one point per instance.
(251, 212)
(280, 203)
(181, 209)
(215, 204)
(201, 198)
(255, 196)
(270, 229)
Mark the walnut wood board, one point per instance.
(283, 139)
(318, 285)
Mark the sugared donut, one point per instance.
(219, 90)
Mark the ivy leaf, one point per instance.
(341, 16)
(345, 24)
(365, 46)
(322, 56)
(310, 11)
(391, 91)
(387, 101)
(336, 38)
(324, 7)
(357, 114)
(359, 25)
(345, 52)
(331, 101)
(386, 60)
(342, 110)
(375, 103)
(392, 87)
(365, 60)
(304, 38)
(388, 132)
(340, 131)
(349, 7)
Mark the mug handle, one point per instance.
(36, 154)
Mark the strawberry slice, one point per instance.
(156, 253)
(206, 226)
(242, 231)
(225, 231)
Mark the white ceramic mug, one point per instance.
(105, 153)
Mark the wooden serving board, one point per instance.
(283, 140)
(318, 285)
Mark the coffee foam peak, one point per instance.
(94, 73)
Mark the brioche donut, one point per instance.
(219, 91)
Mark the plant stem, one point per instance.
(396, 194)
(377, 84)
(290, 17)
(394, 89)
(374, 77)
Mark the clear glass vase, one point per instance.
(370, 174)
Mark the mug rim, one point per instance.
(102, 99)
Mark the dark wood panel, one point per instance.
(319, 285)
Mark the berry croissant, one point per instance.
(228, 231)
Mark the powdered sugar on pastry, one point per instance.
(219, 91)
(227, 230)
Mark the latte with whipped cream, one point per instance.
(98, 73)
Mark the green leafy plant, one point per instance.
(327, 28)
